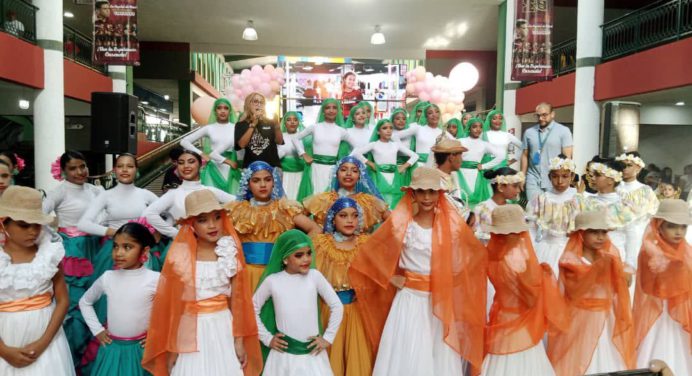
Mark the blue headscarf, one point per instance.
(364, 184)
(339, 205)
(246, 194)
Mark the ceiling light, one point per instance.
(307, 68)
(68, 14)
(250, 33)
(166, 97)
(143, 102)
(681, 103)
(24, 104)
(369, 69)
(377, 37)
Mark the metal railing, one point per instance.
(77, 47)
(655, 24)
(19, 19)
(564, 57)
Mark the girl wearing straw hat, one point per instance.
(287, 310)
(663, 296)
(471, 178)
(527, 302)
(204, 318)
(294, 155)
(33, 293)
(423, 253)
(600, 335)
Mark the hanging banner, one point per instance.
(533, 25)
(115, 32)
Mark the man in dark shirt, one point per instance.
(257, 135)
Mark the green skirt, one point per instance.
(211, 176)
(481, 190)
(120, 358)
(391, 192)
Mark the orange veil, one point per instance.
(592, 292)
(527, 299)
(458, 277)
(664, 273)
(173, 329)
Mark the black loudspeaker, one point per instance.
(113, 123)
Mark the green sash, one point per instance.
(211, 176)
(296, 347)
(390, 192)
(325, 159)
(481, 190)
(306, 189)
(292, 164)
(423, 157)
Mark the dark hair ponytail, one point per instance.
(69, 155)
(502, 171)
(138, 232)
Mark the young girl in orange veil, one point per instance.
(600, 335)
(663, 295)
(203, 319)
(421, 285)
(527, 301)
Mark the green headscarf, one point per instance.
(399, 110)
(412, 115)
(372, 113)
(350, 121)
(307, 141)
(374, 137)
(489, 120)
(231, 113)
(471, 121)
(339, 116)
(423, 120)
(460, 128)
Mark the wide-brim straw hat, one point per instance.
(23, 204)
(592, 220)
(200, 202)
(674, 211)
(426, 178)
(447, 145)
(508, 219)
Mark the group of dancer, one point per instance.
(383, 266)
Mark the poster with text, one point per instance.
(115, 32)
(533, 25)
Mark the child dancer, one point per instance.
(221, 171)
(526, 303)
(400, 121)
(471, 177)
(666, 190)
(204, 320)
(69, 201)
(294, 156)
(342, 240)
(464, 129)
(14, 161)
(357, 128)
(551, 214)
(600, 335)
(424, 258)
(5, 176)
(262, 214)
(495, 133)
(383, 167)
(453, 128)
(130, 290)
(286, 309)
(33, 293)
(349, 178)
(506, 184)
(663, 298)
(426, 131)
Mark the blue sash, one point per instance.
(257, 253)
(346, 296)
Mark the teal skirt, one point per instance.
(120, 358)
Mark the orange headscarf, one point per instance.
(664, 274)
(527, 299)
(458, 277)
(172, 329)
(592, 292)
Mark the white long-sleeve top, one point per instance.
(361, 136)
(385, 152)
(425, 136)
(477, 148)
(326, 138)
(222, 138)
(173, 203)
(130, 299)
(501, 140)
(292, 146)
(405, 141)
(116, 206)
(70, 201)
(295, 302)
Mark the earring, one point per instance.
(143, 258)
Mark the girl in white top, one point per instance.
(387, 176)
(221, 170)
(130, 290)
(426, 131)
(495, 133)
(286, 309)
(471, 178)
(400, 122)
(293, 156)
(33, 293)
(327, 135)
(358, 128)
(506, 184)
(172, 203)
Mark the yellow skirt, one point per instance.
(351, 353)
(255, 272)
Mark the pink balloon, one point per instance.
(247, 90)
(412, 79)
(265, 89)
(435, 96)
(255, 80)
(235, 80)
(424, 96)
(420, 73)
(201, 109)
(269, 69)
(280, 71)
(266, 77)
(411, 88)
(245, 73)
(256, 69)
(275, 86)
(238, 92)
(429, 85)
(420, 86)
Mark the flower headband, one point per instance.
(339, 205)
(508, 179)
(558, 163)
(244, 191)
(606, 171)
(630, 158)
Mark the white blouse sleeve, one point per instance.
(53, 199)
(489, 149)
(305, 132)
(336, 309)
(222, 196)
(187, 141)
(346, 136)
(360, 152)
(86, 305)
(262, 294)
(515, 141)
(412, 157)
(153, 214)
(408, 132)
(89, 222)
(298, 144)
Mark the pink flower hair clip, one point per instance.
(143, 221)
(20, 163)
(55, 170)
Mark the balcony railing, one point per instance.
(77, 47)
(564, 57)
(19, 19)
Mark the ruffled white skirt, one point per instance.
(549, 250)
(321, 176)
(215, 354)
(606, 357)
(669, 342)
(532, 361)
(412, 340)
(18, 329)
(291, 182)
(285, 364)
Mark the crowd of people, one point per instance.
(347, 248)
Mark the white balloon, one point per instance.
(463, 77)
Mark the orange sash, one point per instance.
(415, 281)
(211, 305)
(27, 304)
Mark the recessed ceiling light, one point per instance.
(250, 33)
(166, 97)
(68, 14)
(24, 104)
(377, 37)
(369, 69)
(681, 103)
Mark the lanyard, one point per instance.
(542, 141)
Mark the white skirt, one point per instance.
(470, 175)
(532, 361)
(285, 364)
(549, 250)
(291, 182)
(606, 357)
(18, 329)
(669, 342)
(412, 340)
(215, 354)
(321, 176)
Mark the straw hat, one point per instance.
(674, 211)
(426, 178)
(23, 204)
(508, 219)
(200, 202)
(447, 145)
(592, 220)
